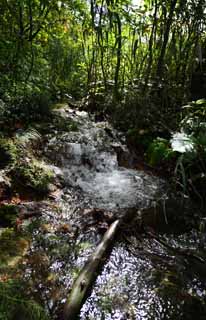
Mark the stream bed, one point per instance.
(142, 278)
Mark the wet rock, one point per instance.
(56, 194)
(124, 157)
(99, 214)
(51, 188)
(47, 228)
(65, 228)
(40, 260)
(33, 209)
(170, 215)
(5, 186)
(97, 218)
(13, 247)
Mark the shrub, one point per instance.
(23, 110)
(8, 152)
(188, 149)
(31, 107)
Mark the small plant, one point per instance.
(159, 150)
(187, 148)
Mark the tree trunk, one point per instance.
(119, 49)
(151, 40)
(165, 40)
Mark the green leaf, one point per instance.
(201, 101)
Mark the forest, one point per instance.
(102, 159)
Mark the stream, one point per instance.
(142, 278)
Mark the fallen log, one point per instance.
(88, 274)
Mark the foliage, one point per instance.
(8, 213)
(194, 119)
(26, 109)
(159, 151)
(60, 47)
(16, 305)
(8, 153)
(63, 124)
(191, 165)
(186, 149)
(38, 47)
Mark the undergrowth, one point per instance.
(15, 304)
(186, 148)
(19, 160)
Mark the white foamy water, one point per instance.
(89, 163)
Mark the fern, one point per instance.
(29, 136)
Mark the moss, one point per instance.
(57, 123)
(62, 124)
(17, 156)
(13, 247)
(33, 174)
(59, 105)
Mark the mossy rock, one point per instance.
(59, 105)
(57, 123)
(5, 186)
(34, 175)
(67, 125)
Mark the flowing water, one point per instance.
(142, 278)
(89, 162)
